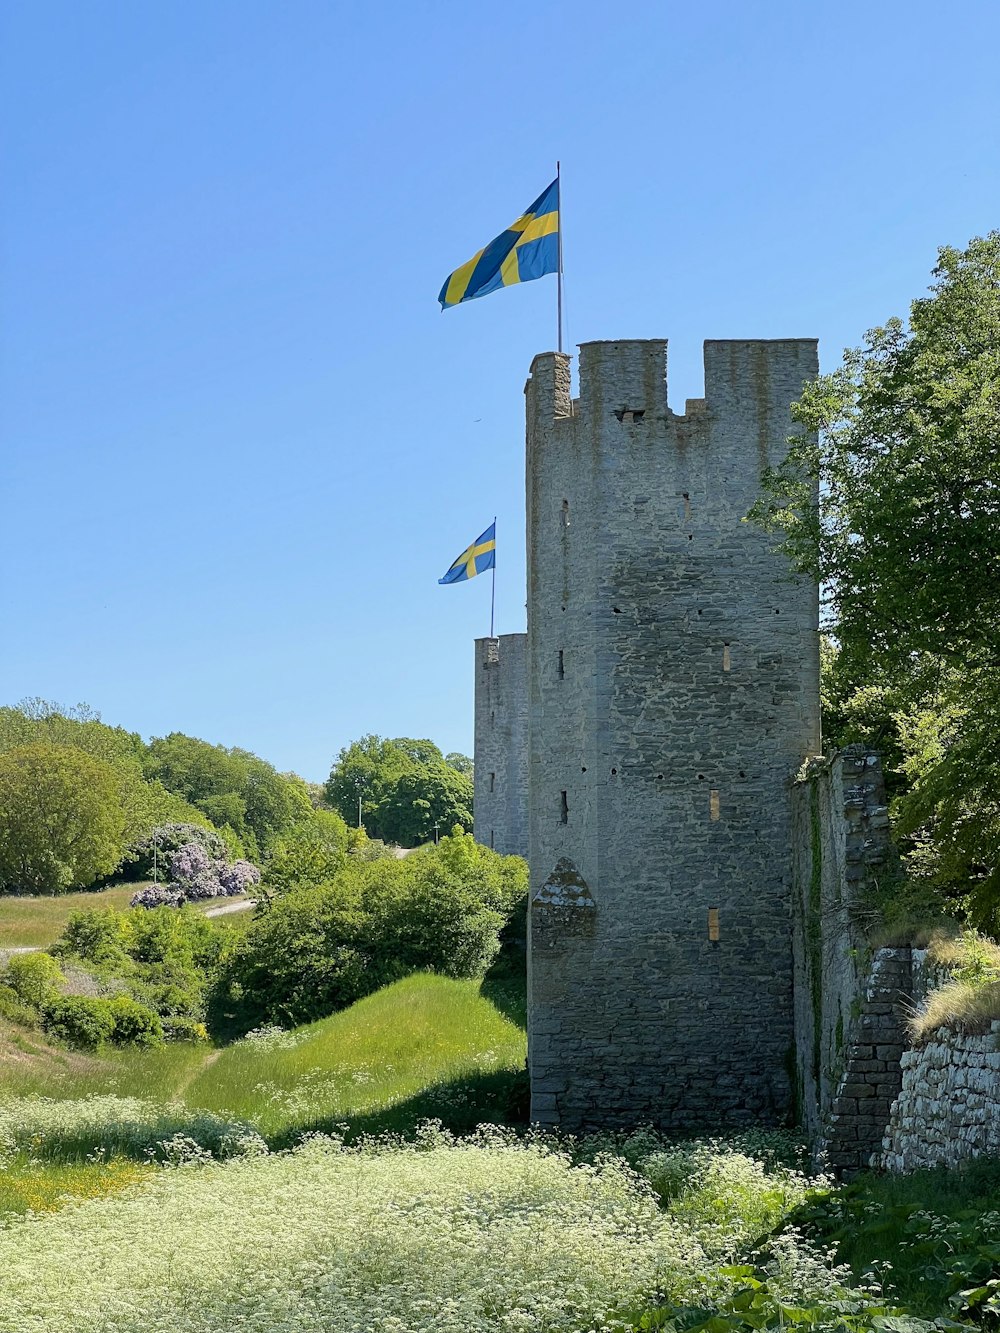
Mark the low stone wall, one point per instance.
(872, 1073)
(948, 1109)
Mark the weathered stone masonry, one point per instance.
(501, 744)
(674, 693)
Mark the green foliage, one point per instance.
(931, 1238)
(33, 977)
(405, 787)
(319, 948)
(133, 1024)
(83, 1022)
(13, 1008)
(61, 818)
(906, 542)
(230, 787)
(311, 852)
(166, 956)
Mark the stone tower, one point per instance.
(501, 744)
(673, 663)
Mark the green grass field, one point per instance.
(427, 1047)
(37, 922)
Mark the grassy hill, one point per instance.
(426, 1047)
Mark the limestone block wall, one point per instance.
(673, 673)
(948, 1109)
(501, 744)
(841, 847)
(872, 1076)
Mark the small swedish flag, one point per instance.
(475, 559)
(528, 249)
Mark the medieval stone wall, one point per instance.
(948, 1109)
(501, 744)
(674, 693)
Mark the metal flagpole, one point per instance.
(559, 271)
(493, 593)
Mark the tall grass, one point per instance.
(426, 1046)
(37, 922)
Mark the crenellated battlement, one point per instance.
(626, 379)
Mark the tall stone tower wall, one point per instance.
(501, 744)
(674, 693)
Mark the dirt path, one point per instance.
(196, 1072)
(232, 907)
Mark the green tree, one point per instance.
(311, 852)
(61, 819)
(907, 537)
(902, 441)
(433, 794)
(405, 787)
(461, 762)
(362, 773)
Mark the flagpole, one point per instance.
(493, 593)
(559, 271)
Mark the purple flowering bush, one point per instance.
(240, 877)
(199, 870)
(195, 873)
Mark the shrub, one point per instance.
(157, 895)
(166, 840)
(133, 1024)
(179, 1028)
(12, 1007)
(80, 1021)
(34, 977)
(194, 873)
(318, 949)
(240, 877)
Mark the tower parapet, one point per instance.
(673, 667)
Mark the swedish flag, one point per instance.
(528, 249)
(475, 559)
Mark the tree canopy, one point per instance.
(405, 787)
(904, 440)
(61, 820)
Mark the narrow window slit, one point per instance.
(713, 804)
(713, 925)
(562, 666)
(563, 808)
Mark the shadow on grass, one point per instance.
(505, 985)
(499, 1098)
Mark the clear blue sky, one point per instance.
(240, 443)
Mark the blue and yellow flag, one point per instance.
(528, 249)
(475, 559)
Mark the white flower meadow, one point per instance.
(433, 1237)
(46, 1128)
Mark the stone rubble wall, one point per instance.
(872, 1074)
(841, 848)
(948, 1109)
